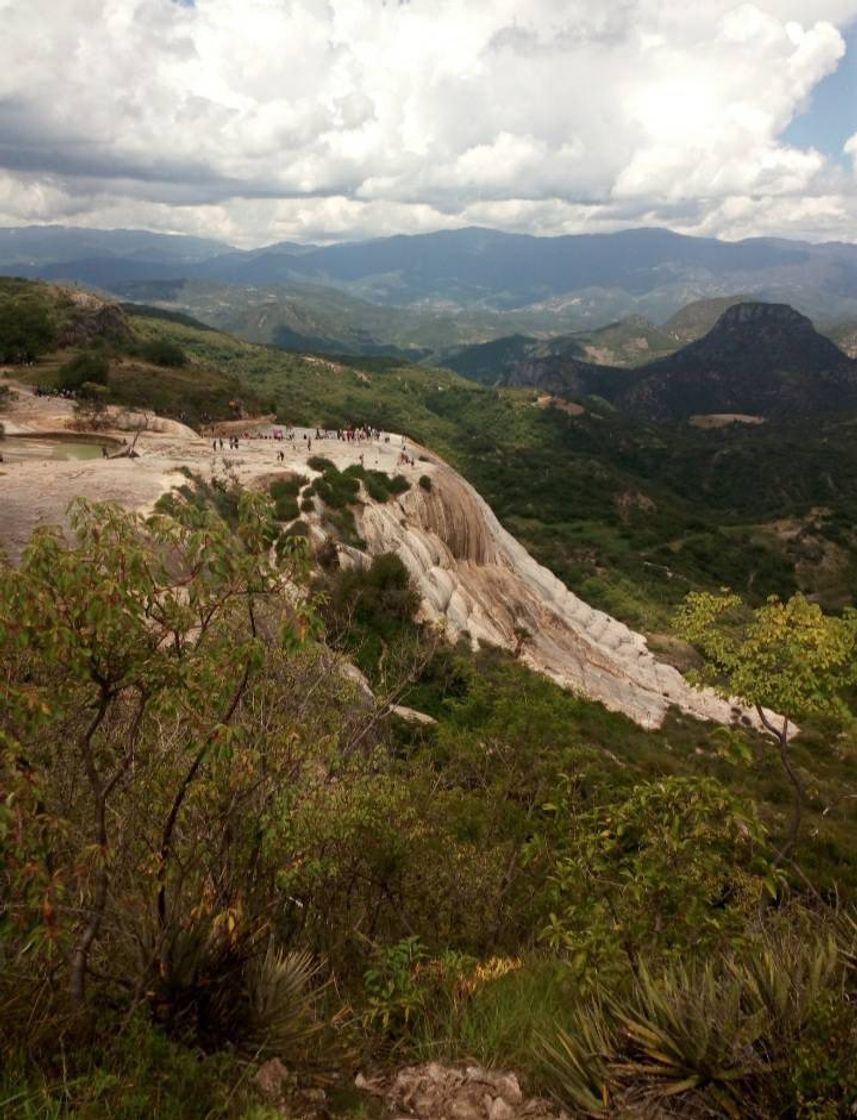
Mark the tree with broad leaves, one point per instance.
(786, 660)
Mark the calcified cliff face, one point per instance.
(480, 582)
(473, 576)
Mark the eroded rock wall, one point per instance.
(478, 581)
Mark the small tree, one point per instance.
(787, 658)
(672, 869)
(25, 331)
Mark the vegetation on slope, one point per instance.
(68, 339)
(629, 515)
(205, 822)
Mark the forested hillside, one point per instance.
(263, 828)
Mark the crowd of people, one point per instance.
(346, 435)
(353, 434)
(53, 391)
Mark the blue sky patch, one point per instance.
(831, 117)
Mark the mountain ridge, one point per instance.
(650, 271)
(758, 358)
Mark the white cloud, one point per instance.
(260, 119)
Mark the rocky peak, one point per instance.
(764, 316)
(765, 336)
(761, 359)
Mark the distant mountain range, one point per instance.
(577, 282)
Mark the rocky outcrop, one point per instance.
(92, 318)
(477, 581)
(434, 1091)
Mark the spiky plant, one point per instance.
(575, 1061)
(783, 981)
(282, 995)
(686, 1032)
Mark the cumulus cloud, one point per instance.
(256, 120)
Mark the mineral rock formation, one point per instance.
(475, 579)
(478, 581)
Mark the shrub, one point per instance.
(285, 492)
(674, 868)
(163, 352)
(337, 491)
(425, 483)
(89, 365)
(25, 331)
(379, 486)
(370, 608)
(319, 463)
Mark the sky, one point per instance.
(256, 121)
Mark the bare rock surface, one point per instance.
(438, 1092)
(475, 580)
(478, 581)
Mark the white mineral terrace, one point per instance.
(473, 576)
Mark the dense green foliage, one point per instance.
(26, 330)
(474, 886)
(339, 493)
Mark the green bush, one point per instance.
(319, 463)
(89, 365)
(370, 608)
(26, 330)
(163, 352)
(674, 868)
(379, 486)
(425, 483)
(285, 493)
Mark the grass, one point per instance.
(137, 1075)
(499, 1021)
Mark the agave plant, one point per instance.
(783, 981)
(576, 1061)
(686, 1032)
(281, 1014)
(222, 988)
